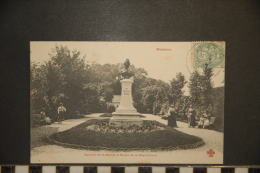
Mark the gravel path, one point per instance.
(67, 124)
(58, 154)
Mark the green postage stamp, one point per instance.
(208, 53)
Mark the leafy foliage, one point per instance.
(85, 87)
(201, 90)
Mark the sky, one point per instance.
(162, 60)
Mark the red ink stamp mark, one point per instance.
(211, 153)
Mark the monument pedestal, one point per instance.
(126, 115)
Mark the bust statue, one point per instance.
(126, 73)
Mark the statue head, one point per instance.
(125, 72)
(127, 64)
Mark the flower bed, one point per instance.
(152, 136)
(103, 126)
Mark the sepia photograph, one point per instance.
(127, 102)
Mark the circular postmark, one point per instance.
(211, 54)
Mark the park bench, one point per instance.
(209, 123)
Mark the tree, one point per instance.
(149, 98)
(140, 77)
(106, 78)
(207, 101)
(153, 97)
(195, 86)
(73, 73)
(84, 87)
(37, 85)
(183, 106)
(61, 79)
(53, 89)
(176, 86)
(201, 90)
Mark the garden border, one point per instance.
(77, 146)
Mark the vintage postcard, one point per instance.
(127, 102)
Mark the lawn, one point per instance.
(165, 139)
(40, 134)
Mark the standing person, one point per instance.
(201, 122)
(172, 117)
(191, 118)
(61, 111)
(206, 123)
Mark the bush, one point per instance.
(111, 108)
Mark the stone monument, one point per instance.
(126, 115)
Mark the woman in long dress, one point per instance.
(172, 117)
(191, 118)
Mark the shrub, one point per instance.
(110, 108)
